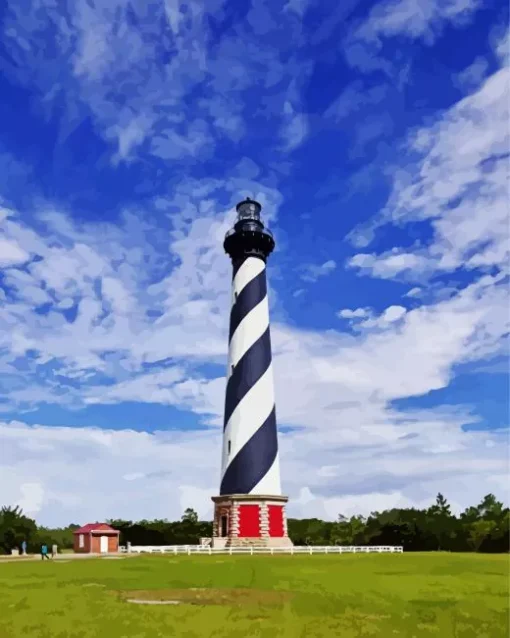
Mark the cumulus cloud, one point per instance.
(59, 474)
(11, 253)
(390, 264)
(393, 313)
(358, 313)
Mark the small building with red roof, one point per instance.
(96, 538)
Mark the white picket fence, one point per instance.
(308, 549)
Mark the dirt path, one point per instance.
(60, 557)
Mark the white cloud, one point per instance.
(370, 320)
(180, 93)
(459, 184)
(59, 474)
(471, 77)
(353, 505)
(11, 253)
(462, 328)
(295, 129)
(469, 324)
(297, 6)
(114, 291)
(393, 313)
(338, 387)
(414, 19)
(129, 136)
(31, 498)
(358, 313)
(502, 45)
(312, 272)
(389, 264)
(73, 465)
(353, 97)
(93, 56)
(140, 292)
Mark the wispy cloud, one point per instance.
(145, 73)
(473, 75)
(295, 128)
(414, 19)
(456, 179)
(312, 272)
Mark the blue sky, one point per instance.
(375, 135)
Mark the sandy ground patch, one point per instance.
(137, 601)
(202, 596)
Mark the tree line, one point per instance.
(481, 528)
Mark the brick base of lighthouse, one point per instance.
(250, 520)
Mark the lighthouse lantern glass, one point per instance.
(248, 211)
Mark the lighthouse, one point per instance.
(250, 509)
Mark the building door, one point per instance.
(224, 526)
(103, 544)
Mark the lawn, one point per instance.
(414, 595)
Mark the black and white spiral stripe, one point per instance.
(250, 462)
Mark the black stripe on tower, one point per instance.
(251, 366)
(249, 297)
(236, 264)
(253, 461)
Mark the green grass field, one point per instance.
(461, 595)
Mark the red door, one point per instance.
(276, 529)
(249, 521)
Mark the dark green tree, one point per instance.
(189, 516)
(484, 528)
(442, 523)
(15, 528)
(349, 531)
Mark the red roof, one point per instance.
(93, 527)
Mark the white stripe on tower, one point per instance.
(250, 449)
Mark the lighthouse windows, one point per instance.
(229, 446)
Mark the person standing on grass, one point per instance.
(53, 550)
(44, 552)
(24, 548)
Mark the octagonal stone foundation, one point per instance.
(251, 520)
